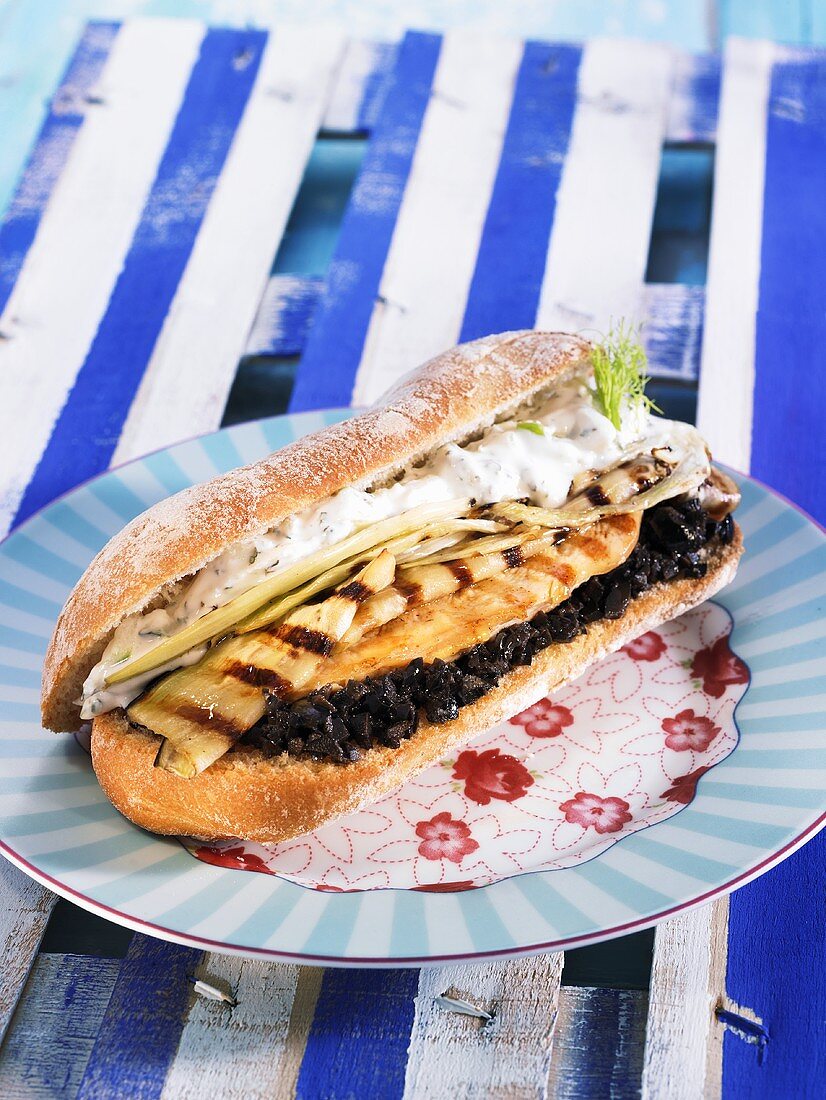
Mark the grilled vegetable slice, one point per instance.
(448, 573)
(635, 485)
(217, 623)
(478, 559)
(445, 627)
(638, 483)
(719, 495)
(400, 548)
(204, 709)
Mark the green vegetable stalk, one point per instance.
(620, 373)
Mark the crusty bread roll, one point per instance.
(244, 793)
(248, 795)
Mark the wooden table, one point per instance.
(735, 988)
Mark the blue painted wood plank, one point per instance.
(599, 1038)
(54, 1027)
(67, 109)
(376, 85)
(357, 1044)
(504, 291)
(777, 968)
(790, 385)
(140, 1031)
(332, 355)
(87, 430)
(693, 117)
(673, 331)
(777, 928)
(285, 315)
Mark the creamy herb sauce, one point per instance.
(506, 463)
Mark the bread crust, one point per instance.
(450, 398)
(253, 797)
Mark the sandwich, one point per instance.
(286, 643)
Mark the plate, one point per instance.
(677, 769)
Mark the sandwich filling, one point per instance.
(341, 723)
(338, 629)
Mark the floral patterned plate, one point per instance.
(680, 767)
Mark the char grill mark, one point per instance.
(642, 476)
(461, 572)
(301, 637)
(513, 556)
(357, 591)
(411, 591)
(341, 723)
(597, 496)
(258, 677)
(563, 573)
(176, 706)
(210, 719)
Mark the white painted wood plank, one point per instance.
(184, 389)
(68, 275)
(599, 243)
(432, 255)
(458, 1055)
(363, 61)
(683, 1051)
(252, 1050)
(724, 409)
(25, 907)
(683, 1056)
(53, 1030)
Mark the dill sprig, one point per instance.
(620, 372)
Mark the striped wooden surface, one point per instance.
(136, 235)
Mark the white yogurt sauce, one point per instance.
(506, 463)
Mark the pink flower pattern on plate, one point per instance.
(237, 858)
(600, 748)
(490, 774)
(445, 838)
(718, 667)
(684, 788)
(544, 719)
(606, 815)
(648, 647)
(689, 731)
